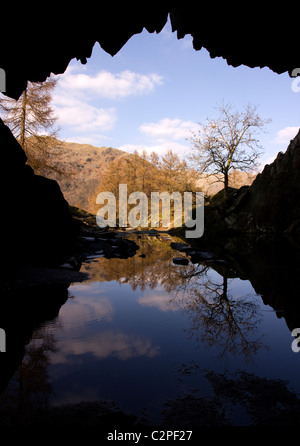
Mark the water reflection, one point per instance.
(121, 335)
(239, 399)
(109, 344)
(24, 367)
(29, 389)
(93, 311)
(217, 316)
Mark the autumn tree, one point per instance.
(32, 122)
(228, 142)
(130, 171)
(112, 177)
(176, 174)
(147, 173)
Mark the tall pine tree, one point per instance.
(32, 122)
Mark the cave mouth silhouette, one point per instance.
(53, 39)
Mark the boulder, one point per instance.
(179, 246)
(180, 261)
(199, 256)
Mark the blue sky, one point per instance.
(158, 88)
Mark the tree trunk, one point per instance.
(226, 181)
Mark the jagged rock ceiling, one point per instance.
(38, 41)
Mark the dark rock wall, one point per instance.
(36, 223)
(271, 204)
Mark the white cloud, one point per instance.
(284, 136)
(166, 134)
(109, 85)
(82, 116)
(173, 129)
(187, 43)
(268, 161)
(72, 98)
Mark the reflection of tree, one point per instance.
(268, 402)
(29, 389)
(216, 317)
(263, 402)
(154, 268)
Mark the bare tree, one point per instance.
(227, 142)
(31, 120)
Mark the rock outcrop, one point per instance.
(36, 222)
(270, 205)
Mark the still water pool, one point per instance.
(161, 339)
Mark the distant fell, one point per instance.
(83, 166)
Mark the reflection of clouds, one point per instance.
(159, 300)
(82, 310)
(90, 288)
(83, 323)
(106, 344)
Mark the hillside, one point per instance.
(84, 166)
